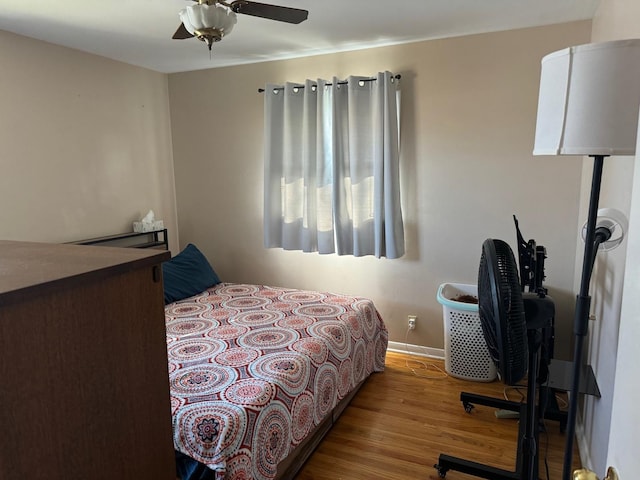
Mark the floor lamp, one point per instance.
(588, 105)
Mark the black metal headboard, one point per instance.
(152, 239)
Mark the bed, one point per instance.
(258, 374)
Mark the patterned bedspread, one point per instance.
(253, 369)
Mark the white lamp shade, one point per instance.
(199, 16)
(589, 100)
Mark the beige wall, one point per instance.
(85, 144)
(468, 121)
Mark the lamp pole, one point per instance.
(581, 316)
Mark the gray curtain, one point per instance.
(331, 177)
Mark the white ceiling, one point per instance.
(139, 32)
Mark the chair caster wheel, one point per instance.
(442, 471)
(468, 407)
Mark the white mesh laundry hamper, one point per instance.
(465, 352)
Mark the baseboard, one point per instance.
(417, 350)
(583, 446)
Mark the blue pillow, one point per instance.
(187, 274)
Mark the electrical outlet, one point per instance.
(412, 322)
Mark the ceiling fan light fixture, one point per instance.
(209, 23)
(211, 20)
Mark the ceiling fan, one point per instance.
(211, 20)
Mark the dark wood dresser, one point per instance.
(84, 389)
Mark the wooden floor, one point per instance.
(400, 422)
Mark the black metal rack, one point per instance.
(153, 239)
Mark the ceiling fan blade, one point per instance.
(272, 12)
(181, 33)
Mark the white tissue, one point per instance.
(149, 217)
(148, 223)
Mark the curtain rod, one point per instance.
(344, 82)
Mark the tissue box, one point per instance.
(141, 227)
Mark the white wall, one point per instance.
(625, 415)
(615, 19)
(85, 144)
(468, 122)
